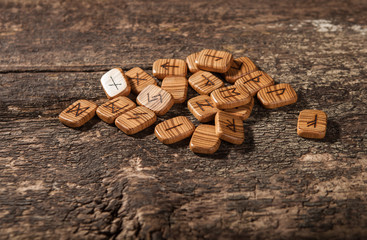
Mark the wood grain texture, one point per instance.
(190, 61)
(113, 108)
(177, 87)
(243, 112)
(312, 124)
(204, 140)
(277, 96)
(229, 128)
(156, 99)
(135, 120)
(169, 67)
(115, 83)
(203, 108)
(214, 60)
(139, 79)
(230, 97)
(78, 113)
(255, 81)
(204, 82)
(240, 67)
(174, 130)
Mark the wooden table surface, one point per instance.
(95, 182)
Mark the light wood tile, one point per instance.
(205, 82)
(78, 113)
(230, 97)
(190, 61)
(243, 112)
(169, 67)
(156, 99)
(174, 130)
(229, 128)
(214, 61)
(202, 107)
(177, 87)
(110, 110)
(139, 79)
(204, 140)
(240, 67)
(277, 96)
(312, 124)
(255, 81)
(135, 120)
(115, 83)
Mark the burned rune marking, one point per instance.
(114, 84)
(115, 109)
(231, 125)
(200, 105)
(166, 66)
(77, 111)
(154, 98)
(313, 122)
(232, 91)
(137, 115)
(174, 127)
(213, 56)
(209, 82)
(254, 79)
(138, 79)
(282, 90)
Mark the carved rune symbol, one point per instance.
(232, 92)
(209, 82)
(137, 115)
(202, 105)
(313, 122)
(255, 79)
(137, 79)
(115, 109)
(77, 111)
(154, 98)
(174, 127)
(166, 66)
(114, 84)
(213, 56)
(237, 67)
(231, 125)
(278, 91)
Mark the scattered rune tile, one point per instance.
(214, 61)
(177, 87)
(190, 60)
(78, 113)
(174, 130)
(204, 82)
(230, 97)
(115, 83)
(243, 112)
(139, 79)
(135, 120)
(113, 108)
(277, 96)
(202, 107)
(169, 67)
(312, 124)
(204, 140)
(156, 99)
(240, 67)
(229, 128)
(255, 81)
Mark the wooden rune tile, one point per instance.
(156, 99)
(229, 128)
(240, 67)
(277, 96)
(110, 110)
(177, 87)
(312, 124)
(242, 112)
(230, 97)
(174, 130)
(202, 107)
(204, 82)
(115, 83)
(139, 79)
(135, 120)
(78, 113)
(255, 81)
(214, 61)
(190, 60)
(204, 140)
(169, 67)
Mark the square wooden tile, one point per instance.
(202, 107)
(205, 140)
(78, 113)
(113, 108)
(139, 79)
(190, 61)
(243, 112)
(169, 67)
(277, 96)
(240, 67)
(229, 128)
(255, 81)
(177, 87)
(156, 99)
(135, 120)
(205, 82)
(174, 130)
(214, 61)
(230, 97)
(312, 124)
(115, 83)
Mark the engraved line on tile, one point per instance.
(77, 111)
